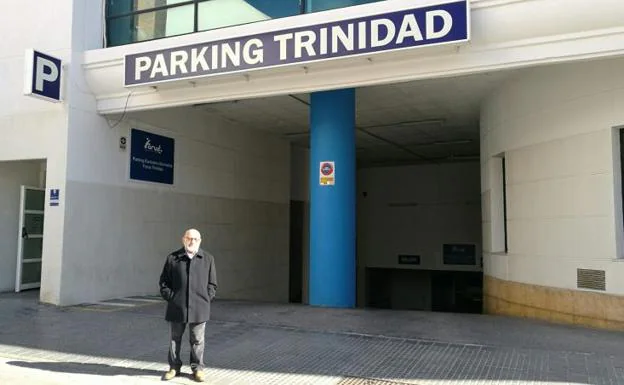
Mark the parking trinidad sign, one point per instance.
(428, 23)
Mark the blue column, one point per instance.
(332, 207)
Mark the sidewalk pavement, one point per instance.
(124, 341)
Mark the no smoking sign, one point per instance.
(327, 171)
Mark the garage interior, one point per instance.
(418, 185)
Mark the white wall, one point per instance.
(32, 128)
(415, 210)
(230, 182)
(554, 126)
(12, 176)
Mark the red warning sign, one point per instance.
(327, 172)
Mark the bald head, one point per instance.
(191, 240)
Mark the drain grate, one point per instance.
(367, 381)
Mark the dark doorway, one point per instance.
(295, 282)
(429, 290)
(457, 291)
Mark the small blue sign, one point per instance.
(442, 23)
(44, 80)
(151, 157)
(55, 196)
(459, 254)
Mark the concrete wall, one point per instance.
(12, 176)
(415, 210)
(231, 183)
(555, 127)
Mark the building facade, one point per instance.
(539, 205)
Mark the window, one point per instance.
(222, 13)
(621, 137)
(498, 204)
(504, 183)
(618, 146)
(324, 5)
(130, 21)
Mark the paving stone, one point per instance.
(303, 345)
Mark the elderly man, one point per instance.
(188, 283)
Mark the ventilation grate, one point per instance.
(590, 279)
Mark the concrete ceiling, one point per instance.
(433, 120)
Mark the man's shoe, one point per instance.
(169, 375)
(199, 376)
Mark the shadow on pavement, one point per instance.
(78, 368)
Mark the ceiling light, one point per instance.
(420, 122)
(409, 123)
(456, 141)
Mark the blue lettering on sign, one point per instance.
(46, 76)
(423, 26)
(151, 157)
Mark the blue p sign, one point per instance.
(43, 76)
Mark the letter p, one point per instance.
(42, 75)
(46, 71)
(141, 64)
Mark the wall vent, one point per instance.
(590, 279)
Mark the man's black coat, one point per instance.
(188, 286)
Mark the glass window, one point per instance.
(497, 197)
(118, 7)
(145, 21)
(123, 7)
(35, 199)
(504, 171)
(131, 21)
(120, 31)
(173, 21)
(324, 5)
(33, 224)
(31, 272)
(222, 13)
(32, 248)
